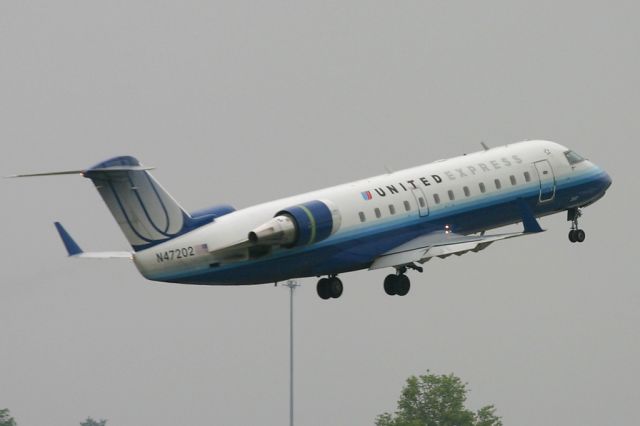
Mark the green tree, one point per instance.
(91, 422)
(433, 400)
(5, 418)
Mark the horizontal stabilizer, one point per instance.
(74, 250)
(82, 172)
(72, 247)
(105, 255)
(64, 172)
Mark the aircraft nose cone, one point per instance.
(606, 180)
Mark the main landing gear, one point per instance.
(329, 287)
(398, 284)
(576, 235)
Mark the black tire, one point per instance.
(323, 288)
(580, 235)
(572, 236)
(403, 285)
(335, 287)
(390, 284)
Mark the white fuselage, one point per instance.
(418, 196)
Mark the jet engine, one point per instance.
(299, 225)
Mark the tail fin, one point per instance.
(145, 211)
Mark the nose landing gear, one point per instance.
(575, 234)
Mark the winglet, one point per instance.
(529, 221)
(73, 249)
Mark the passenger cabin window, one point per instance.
(573, 158)
(498, 184)
(436, 198)
(407, 206)
(527, 177)
(421, 201)
(482, 187)
(362, 217)
(451, 196)
(466, 191)
(392, 209)
(377, 212)
(512, 178)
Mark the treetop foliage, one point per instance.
(5, 418)
(437, 400)
(91, 422)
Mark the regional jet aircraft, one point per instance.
(398, 220)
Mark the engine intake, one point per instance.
(299, 225)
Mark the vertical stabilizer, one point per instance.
(146, 213)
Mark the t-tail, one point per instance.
(145, 211)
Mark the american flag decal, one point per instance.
(366, 195)
(201, 248)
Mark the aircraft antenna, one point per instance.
(484, 145)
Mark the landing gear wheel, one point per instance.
(397, 285)
(335, 287)
(323, 288)
(576, 235)
(390, 284)
(403, 285)
(329, 288)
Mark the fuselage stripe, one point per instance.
(312, 221)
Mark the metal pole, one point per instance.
(291, 356)
(292, 285)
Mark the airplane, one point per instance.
(397, 220)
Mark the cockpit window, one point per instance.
(572, 157)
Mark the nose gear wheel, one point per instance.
(576, 235)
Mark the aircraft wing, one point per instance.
(440, 244)
(444, 243)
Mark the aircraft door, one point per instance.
(547, 180)
(421, 201)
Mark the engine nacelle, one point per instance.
(299, 225)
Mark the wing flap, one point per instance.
(439, 247)
(444, 243)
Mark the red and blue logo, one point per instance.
(366, 195)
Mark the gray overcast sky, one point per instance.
(243, 102)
